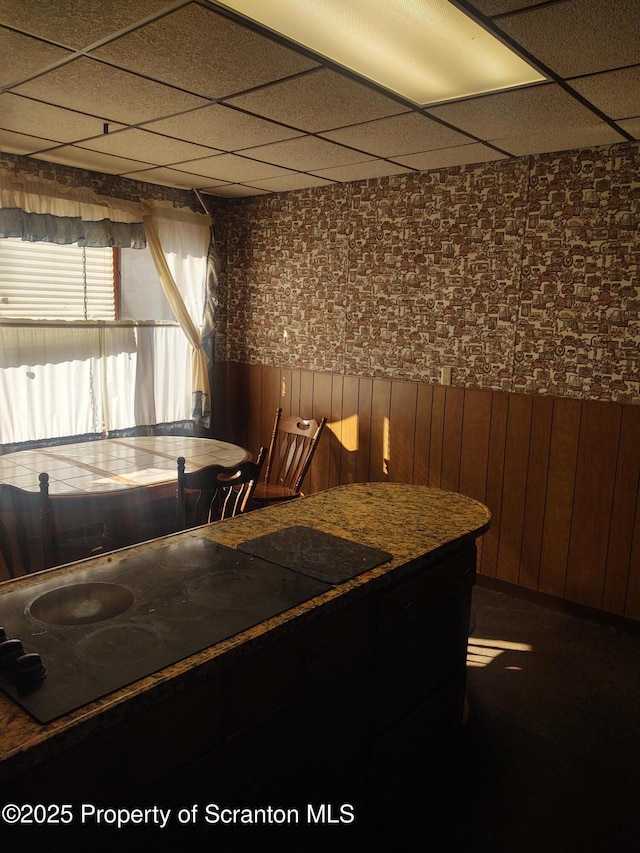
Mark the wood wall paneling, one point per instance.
(365, 418)
(514, 480)
(563, 452)
(349, 418)
(422, 450)
(495, 472)
(289, 395)
(474, 453)
(623, 515)
(402, 431)
(592, 503)
(436, 436)
(305, 404)
(335, 429)
(323, 470)
(452, 438)
(258, 427)
(379, 448)
(560, 476)
(536, 490)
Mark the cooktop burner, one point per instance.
(111, 624)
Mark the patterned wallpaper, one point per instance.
(520, 275)
(109, 185)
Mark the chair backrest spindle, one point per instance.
(220, 492)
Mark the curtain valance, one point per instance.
(37, 209)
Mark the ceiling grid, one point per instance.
(190, 95)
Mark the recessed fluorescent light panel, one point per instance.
(427, 51)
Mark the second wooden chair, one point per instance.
(294, 441)
(219, 492)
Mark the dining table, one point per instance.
(114, 464)
(112, 478)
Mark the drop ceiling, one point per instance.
(187, 94)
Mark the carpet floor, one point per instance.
(549, 759)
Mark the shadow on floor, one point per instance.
(549, 761)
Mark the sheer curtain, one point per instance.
(71, 379)
(53, 380)
(179, 241)
(77, 380)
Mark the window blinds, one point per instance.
(49, 281)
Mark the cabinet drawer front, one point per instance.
(312, 750)
(407, 753)
(404, 610)
(272, 676)
(422, 632)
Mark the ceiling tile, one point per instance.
(632, 126)
(307, 153)
(518, 112)
(32, 117)
(362, 171)
(558, 139)
(299, 114)
(579, 37)
(208, 54)
(92, 160)
(23, 56)
(170, 178)
(76, 23)
(222, 127)
(235, 191)
(499, 7)
(161, 150)
(20, 143)
(291, 182)
(232, 168)
(460, 155)
(320, 100)
(403, 134)
(616, 93)
(97, 89)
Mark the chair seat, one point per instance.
(272, 492)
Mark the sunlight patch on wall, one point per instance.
(346, 431)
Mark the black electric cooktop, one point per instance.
(110, 624)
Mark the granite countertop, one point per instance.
(407, 521)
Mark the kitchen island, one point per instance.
(337, 704)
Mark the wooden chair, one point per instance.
(39, 530)
(220, 492)
(85, 524)
(25, 531)
(294, 441)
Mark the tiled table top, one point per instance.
(115, 463)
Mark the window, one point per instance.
(47, 281)
(88, 342)
(141, 294)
